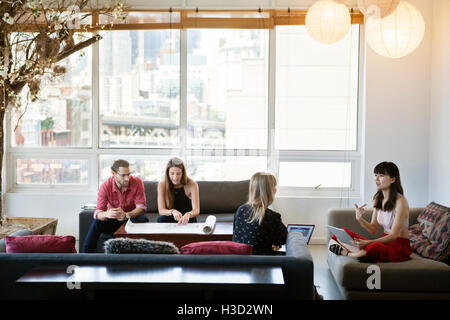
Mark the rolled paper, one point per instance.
(210, 224)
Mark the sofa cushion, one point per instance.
(418, 274)
(128, 245)
(22, 232)
(215, 196)
(431, 236)
(151, 195)
(216, 247)
(40, 244)
(223, 196)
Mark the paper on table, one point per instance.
(152, 227)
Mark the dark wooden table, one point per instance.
(222, 232)
(94, 279)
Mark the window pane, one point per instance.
(139, 88)
(228, 168)
(316, 91)
(211, 168)
(315, 174)
(61, 116)
(54, 172)
(227, 83)
(146, 167)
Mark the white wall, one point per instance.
(63, 207)
(397, 128)
(397, 115)
(439, 182)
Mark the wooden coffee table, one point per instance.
(222, 232)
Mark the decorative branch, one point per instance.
(78, 47)
(35, 35)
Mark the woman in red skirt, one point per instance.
(391, 211)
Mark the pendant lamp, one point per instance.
(327, 21)
(377, 8)
(398, 34)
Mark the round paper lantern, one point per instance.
(327, 21)
(377, 8)
(398, 34)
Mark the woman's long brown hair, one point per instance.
(168, 185)
(390, 169)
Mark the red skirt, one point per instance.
(395, 251)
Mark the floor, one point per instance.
(323, 279)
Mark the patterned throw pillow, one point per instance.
(431, 236)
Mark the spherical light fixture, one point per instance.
(398, 34)
(377, 8)
(327, 21)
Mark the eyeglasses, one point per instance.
(123, 175)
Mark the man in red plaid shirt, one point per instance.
(121, 197)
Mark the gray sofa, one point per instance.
(220, 198)
(418, 278)
(297, 267)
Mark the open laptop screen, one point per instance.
(305, 229)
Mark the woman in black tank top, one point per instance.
(178, 197)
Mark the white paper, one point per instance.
(155, 227)
(209, 224)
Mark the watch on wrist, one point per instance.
(127, 215)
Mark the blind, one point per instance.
(189, 19)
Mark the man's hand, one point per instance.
(116, 213)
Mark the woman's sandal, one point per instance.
(337, 249)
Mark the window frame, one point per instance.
(92, 154)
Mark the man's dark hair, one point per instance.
(119, 163)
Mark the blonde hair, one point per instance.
(168, 185)
(260, 195)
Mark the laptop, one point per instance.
(305, 229)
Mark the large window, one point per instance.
(139, 89)
(62, 114)
(316, 104)
(227, 83)
(316, 112)
(230, 102)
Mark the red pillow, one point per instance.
(40, 244)
(216, 247)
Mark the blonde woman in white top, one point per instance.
(391, 211)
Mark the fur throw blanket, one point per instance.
(128, 245)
